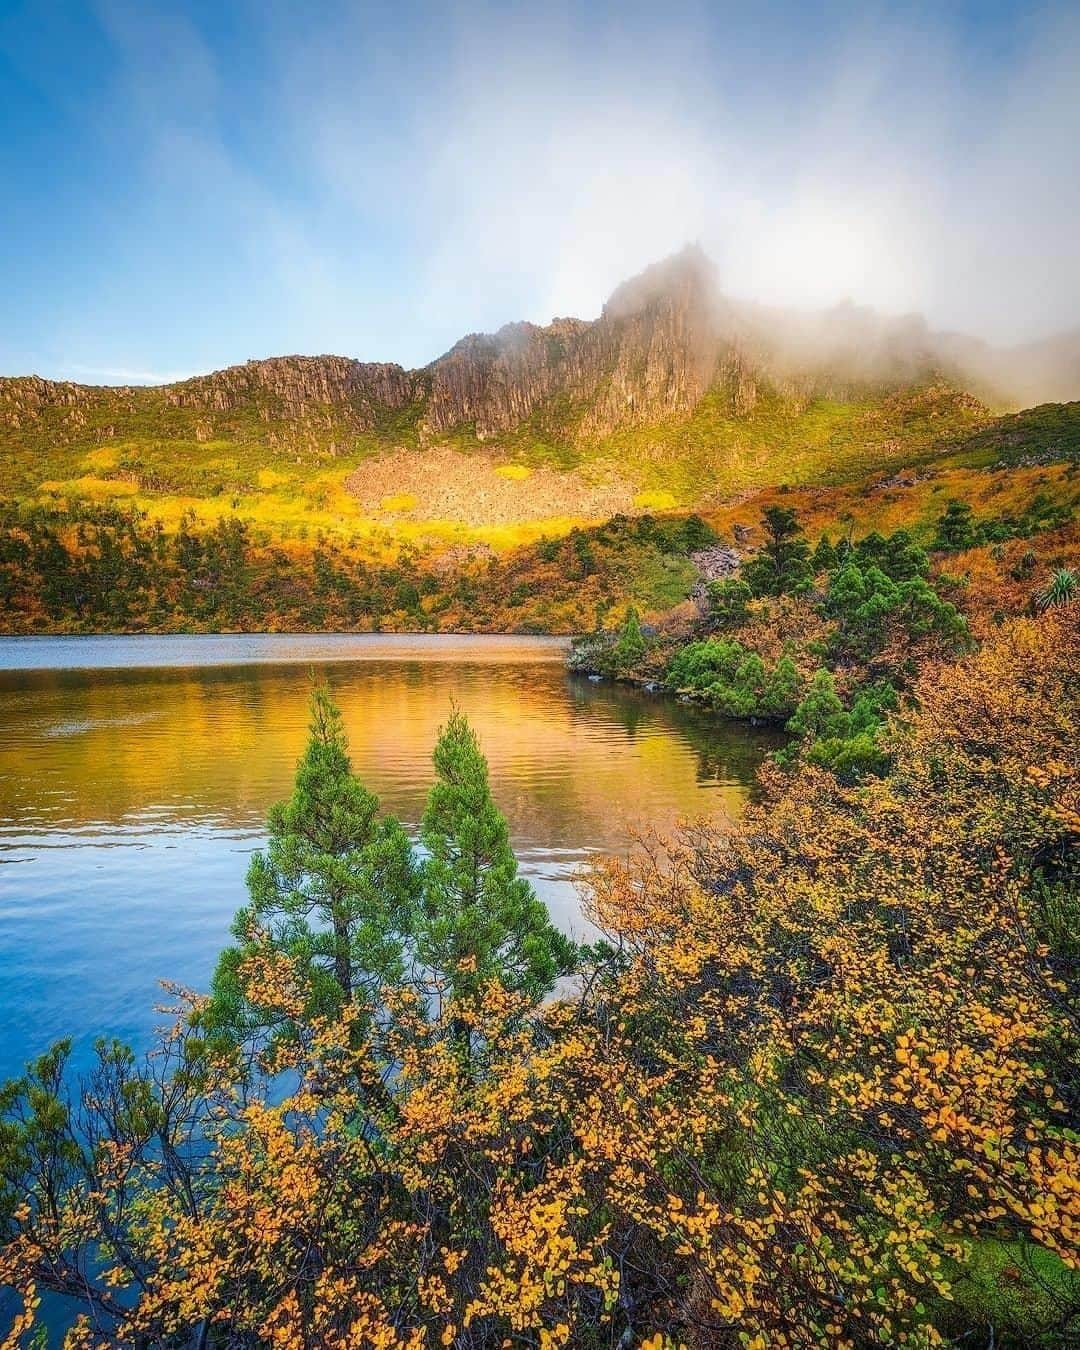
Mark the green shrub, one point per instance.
(782, 565)
(729, 601)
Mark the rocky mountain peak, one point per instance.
(651, 354)
(685, 281)
(664, 339)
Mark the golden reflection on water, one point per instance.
(571, 762)
(131, 798)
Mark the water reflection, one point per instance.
(131, 798)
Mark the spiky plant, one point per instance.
(1059, 590)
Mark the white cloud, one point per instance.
(433, 170)
(547, 159)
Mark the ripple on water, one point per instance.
(135, 777)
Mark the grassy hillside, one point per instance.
(1042, 435)
(119, 510)
(290, 478)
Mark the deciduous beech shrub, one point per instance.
(820, 1091)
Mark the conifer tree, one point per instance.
(898, 556)
(782, 565)
(820, 713)
(729, 601)
(825, 557)
(630, 647)
(336, 888)
(955, 528)
(480, 921)
(781, 693)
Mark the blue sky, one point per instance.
(187, 186)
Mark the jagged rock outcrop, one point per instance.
(652, 354)
(292, 384)
(298, 399)
(664, 340)
(28, 403)
(495, 382)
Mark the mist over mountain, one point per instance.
(666, 338)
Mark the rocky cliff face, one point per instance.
(26, 400)
(290, 384)
(301, 399)
(652, 354)
(289, 394)
(664, 339)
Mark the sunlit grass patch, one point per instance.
(98, 489)
(105, 457)
(270, 478)
(914, 503)
(436, 533)
(656, 499)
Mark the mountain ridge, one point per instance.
(675, 397)
(663, 340)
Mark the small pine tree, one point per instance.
(630, 647)
(820, 713)
(480, 921)
(903, 559)
(741, 695)
(334, 890)
(782, 565)
(729, 601)
(781, 692)
(825, 558)
(955, 530)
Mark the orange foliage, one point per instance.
(834, 1051)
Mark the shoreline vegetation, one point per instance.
(817, 1085)
(824, 642)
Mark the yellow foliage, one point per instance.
(100, 489)
(655, 500)
(836, 1051)
(104, 457)
(271, 478)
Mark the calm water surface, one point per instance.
(135, 776)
